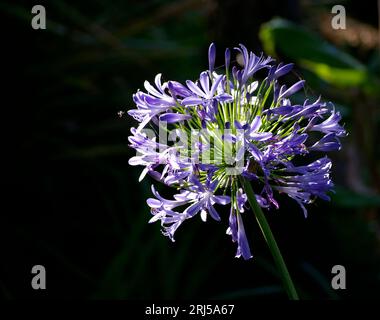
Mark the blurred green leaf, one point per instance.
(300, 43)
(338, 76)
(314, 54)
(349, 199)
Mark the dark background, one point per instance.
(73, 204)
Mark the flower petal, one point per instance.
(222, 199)
(293, 89)
(205, 82)
(243, 246)
(194, 88)
(174, 117)
(213, 213)
(192, 101)
(211, 57)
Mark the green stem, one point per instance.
(272, 244)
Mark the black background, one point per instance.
(73, 204)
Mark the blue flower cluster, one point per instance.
(234, 125)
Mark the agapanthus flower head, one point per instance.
(227, 126)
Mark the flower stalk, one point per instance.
(271, 241)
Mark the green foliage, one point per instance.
(310, 51)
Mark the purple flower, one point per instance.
(282, 70)
(227, 58)
(252, 63)
(174, 117)
(205, 96)
(151, 104)
(250, 134)
(241, 199)
(330, 125)
(178, 90)
(329, 142)
(303, 182)
(211, 57)
(206, 198)
(200, 198)
(236, 227)
(243, 246)
(284, 93)
(228, 125)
